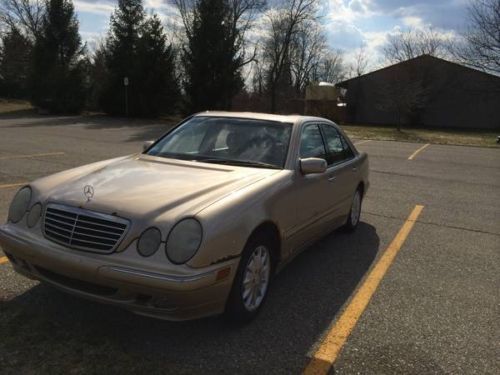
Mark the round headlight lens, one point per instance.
(34, 215)
(149, 242)
(19, 204)
(183, 241)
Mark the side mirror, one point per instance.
(146, 145)
(312, 165)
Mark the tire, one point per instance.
(242, 307)
(355, 211)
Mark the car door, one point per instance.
(313, 192)
(341, 172)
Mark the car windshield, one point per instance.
(227, 140)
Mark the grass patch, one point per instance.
(12, 105)
(436, 136)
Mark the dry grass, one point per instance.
(441, 136)
(11, 105)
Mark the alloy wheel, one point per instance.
(256, 278)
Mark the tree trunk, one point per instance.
(273, 99)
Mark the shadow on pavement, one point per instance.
(141, 129)
(47, 330)
(18, 113)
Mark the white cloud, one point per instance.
(349, 11)
(413, 22)
(101, 8)
(349, 24)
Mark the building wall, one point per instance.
(425, 92)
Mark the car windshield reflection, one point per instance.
(224, 140)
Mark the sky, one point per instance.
(349, 24)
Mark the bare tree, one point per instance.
(306, 51)
(360, 64)
(242, 17)
(479, 46)
(258, 83)
(408, 89)
(411, 43)
(331, 67)
(25, 15)
(403, 96)
(284, 23)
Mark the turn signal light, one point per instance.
(223, 273)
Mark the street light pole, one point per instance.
(125, 83)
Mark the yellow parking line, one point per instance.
(332, 344)
(361, 142)
(416, 152)
(3, 260)
(30, 155)
(8, 186)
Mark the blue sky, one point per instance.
(349, 24)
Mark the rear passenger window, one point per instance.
(338, 149)
(311, 143)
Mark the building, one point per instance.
(324, 99)
(425, 91)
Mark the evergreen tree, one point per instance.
(14, 64)
(158, 84)
(212, 58)
(58, 73)
(57, 79)
(121, 58)
(137, 48)
(98, 74)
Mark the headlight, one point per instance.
(149, 242)
(19, 204)
(34, 215)
(183, 241)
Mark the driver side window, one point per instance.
(311, 143)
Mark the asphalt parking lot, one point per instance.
(435, 311)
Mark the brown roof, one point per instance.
(412, 61)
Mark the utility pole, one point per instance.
(125, 83)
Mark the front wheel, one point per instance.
(251, 282)
(355, 212)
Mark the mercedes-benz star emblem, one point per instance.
(88, 190)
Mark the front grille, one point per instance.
(83, 229)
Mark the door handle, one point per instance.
(354, 169)
(332, 178)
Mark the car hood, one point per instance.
(149, 186)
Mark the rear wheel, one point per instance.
(251, 282)
(355, 212)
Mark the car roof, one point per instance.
(294, 119)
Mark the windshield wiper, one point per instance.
(246, 163)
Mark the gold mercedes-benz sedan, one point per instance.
(195, 225)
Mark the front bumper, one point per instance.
(171, 293)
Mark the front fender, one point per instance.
(228, 223)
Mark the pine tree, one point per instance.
(212, 58)
(121, 58)
(14, 64)
(57, 80)
(159, 90)
(98, 74)
(137, 48)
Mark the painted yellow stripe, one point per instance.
(416, 152)
(9, 186)
(361, 142)
(3, 260)
(332, 344)
(30, 155)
